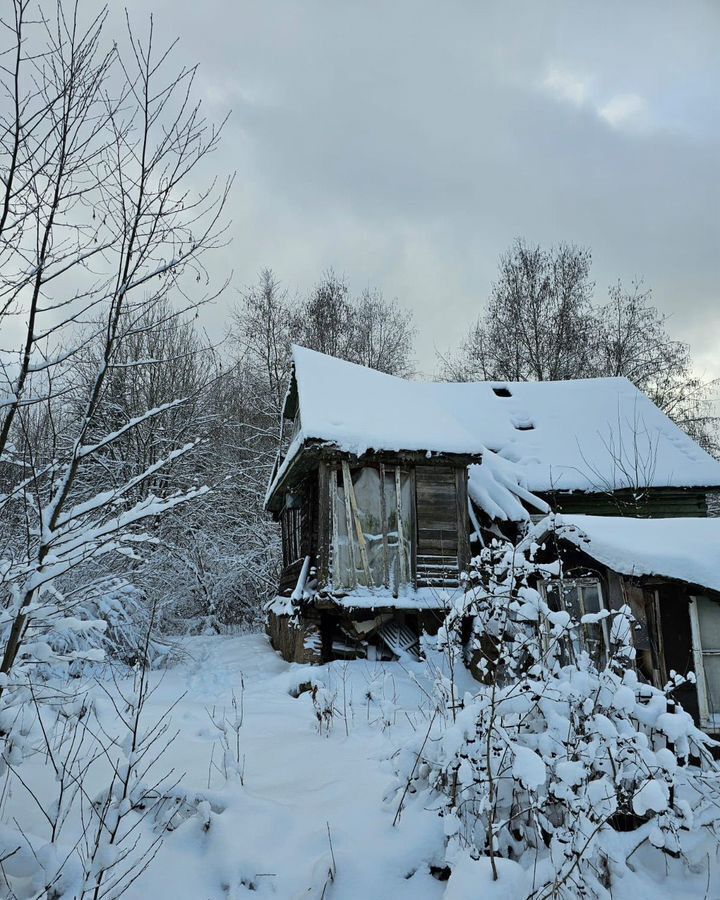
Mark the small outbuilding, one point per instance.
(667, 570)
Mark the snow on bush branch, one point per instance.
(575, 771)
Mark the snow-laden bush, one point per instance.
(89, 620)
(576, 771)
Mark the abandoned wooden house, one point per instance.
(667, 570)
(384, 487)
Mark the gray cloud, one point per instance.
(407, 143)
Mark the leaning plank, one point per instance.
(402, 570)
(347, 482)
(334, 526)
(350, 492)
(383, 517)
(323, 523)
(299, 592)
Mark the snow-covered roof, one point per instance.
(593, 434)
(686, 549)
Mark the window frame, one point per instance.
(707, 719)
(579, 583)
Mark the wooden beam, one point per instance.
(401, 538)
(323, 507)
(463, 518)
(383, 517)
(349, 524)
(350, 493)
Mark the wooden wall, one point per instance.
(438, 524)
(654, 503)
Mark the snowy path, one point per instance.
(272, 838)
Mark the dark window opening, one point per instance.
(291, 522)
(502, 392)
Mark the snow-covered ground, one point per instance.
(315, 797)
(301, 789)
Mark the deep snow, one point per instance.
(305, 787)
(273, 835)
(272, 838)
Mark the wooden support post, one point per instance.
(383, 517)
(402, 577)
(349, 524)
(350, 493)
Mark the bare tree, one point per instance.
(541, 324)
(101, 226)
(324, 321)
(262, 331)
(631, 339)
(368, 329)
(538, 322)
(383, 334)
(97, 226)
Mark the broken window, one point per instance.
(291, 525)
(581, 597)
(371, 527)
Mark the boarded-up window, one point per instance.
(437, 525)
(371, 556)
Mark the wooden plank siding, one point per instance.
(652, 503)
(463, 517)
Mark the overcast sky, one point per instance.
(406, 144)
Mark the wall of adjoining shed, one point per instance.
(661, 608)
(651, 503)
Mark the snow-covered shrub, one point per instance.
(88, 620)
(120, 613)
(99, 820)
(551, 760)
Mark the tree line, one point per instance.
(543, 323)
